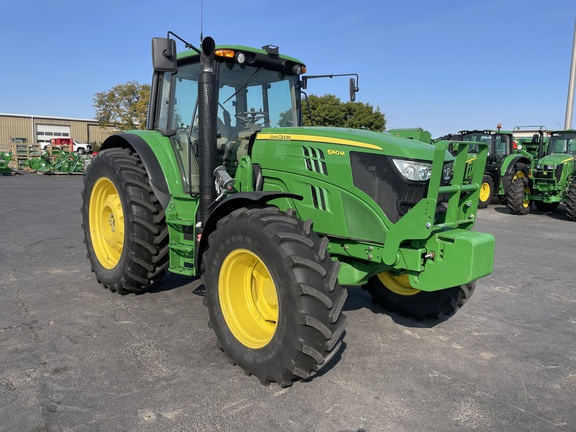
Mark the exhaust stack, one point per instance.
(207, 126)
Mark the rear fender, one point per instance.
(158, 158)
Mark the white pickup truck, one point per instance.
(75, 146)
(82, 148)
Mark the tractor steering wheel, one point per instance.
(252, 116)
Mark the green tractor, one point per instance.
(505, 162)
(553, 179)
(226, 183)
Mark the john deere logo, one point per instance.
(336, 152)
(279, 137)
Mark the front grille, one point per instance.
(543, 175)
(376, 176)
(549, 175)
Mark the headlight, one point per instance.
(412, 170)
(550, 167)
(447, 172)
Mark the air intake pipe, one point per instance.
(207, 126)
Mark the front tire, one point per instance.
(571, 202)
(516, 199)
(395, 294)
(272, 294)
(124, 224)
(486, 192)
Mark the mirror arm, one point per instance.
(168, 54)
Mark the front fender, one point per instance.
(234, 202)
(508, 169)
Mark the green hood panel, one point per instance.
(556, 159)
(342, 140)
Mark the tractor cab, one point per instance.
(562, 142)
(499, 142)
(256, 89)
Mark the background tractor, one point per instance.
(225, 183)
(505, 162)
(553, 179)
(531, 139)
(512, 155)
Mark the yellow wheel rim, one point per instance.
(398, 284)
(525, 199)
(106, 220)
(527, 191)
(248, 298)
(485, 192)
(519, 174)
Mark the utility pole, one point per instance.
(570, 101)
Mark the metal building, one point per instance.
(41, 129)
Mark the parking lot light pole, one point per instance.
(570, 101)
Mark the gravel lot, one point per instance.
(76, 357)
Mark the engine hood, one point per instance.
(556, 159)
(343, 139)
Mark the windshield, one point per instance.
(500, 141)
(563, 143)
(248, 98)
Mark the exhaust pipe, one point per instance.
(207, 126)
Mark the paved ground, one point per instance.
(75, 357)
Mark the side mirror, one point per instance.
(164, 55)
(353, 90)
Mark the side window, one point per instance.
(162, 109)
(185, 96)
(501, 145)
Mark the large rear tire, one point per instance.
(272, 294)
(124, 224)
(486, 192)
(516, 199)
(395, 294)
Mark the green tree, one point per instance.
(328, 110)
(124, 106)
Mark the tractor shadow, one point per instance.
(357, 299)
(173, 281)
(558, 214)
(360, 299)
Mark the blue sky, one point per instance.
(443, 65)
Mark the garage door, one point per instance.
(46, 132)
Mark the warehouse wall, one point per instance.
(22, 126)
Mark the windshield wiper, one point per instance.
(245, 84)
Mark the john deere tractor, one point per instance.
(553, 179)
(496, 172)
(226, 183)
